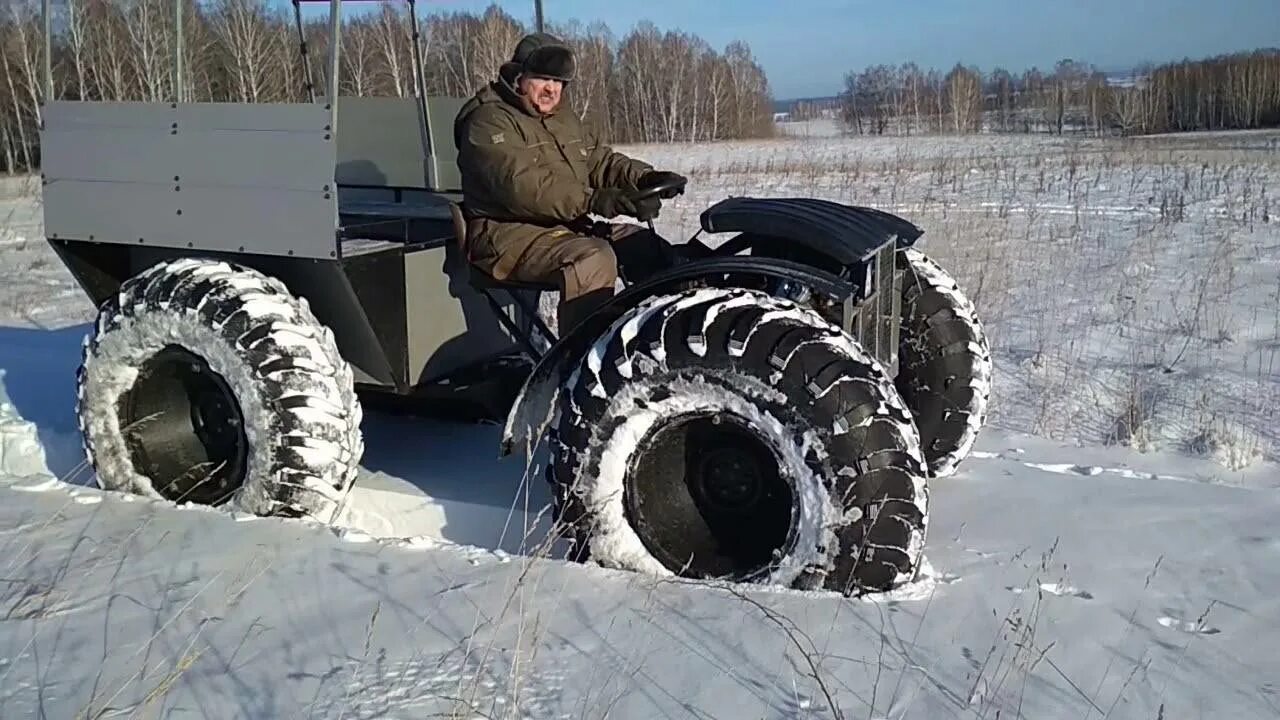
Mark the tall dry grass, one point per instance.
(1130, 289)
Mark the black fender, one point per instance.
(848, 234)
(534, 405)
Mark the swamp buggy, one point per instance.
(770, 412)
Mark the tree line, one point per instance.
(1227, 92)
(647, 86)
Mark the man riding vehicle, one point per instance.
(532, 177)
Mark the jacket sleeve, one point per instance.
(493, 154)
(610, 168)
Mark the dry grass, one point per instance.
(1129, 288)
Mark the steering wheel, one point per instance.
(675, 185)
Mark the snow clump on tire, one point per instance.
(726, 433)
(194, 344)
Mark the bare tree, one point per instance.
(249, 41)
(964, 99)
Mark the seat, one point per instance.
(484, 282)
(479, 278)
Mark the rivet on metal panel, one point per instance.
(179, 211)
(191, 244)
(241, 249)
(326, 188)
(177, 188)
(326, 196)
(326, 136)
(90, 237)
(176, 178)
(141, 240)
(333, 253)
(290, 252)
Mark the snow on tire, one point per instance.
(211, 383)
(724, 433)
(944, 362)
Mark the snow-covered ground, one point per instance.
(1108, 551)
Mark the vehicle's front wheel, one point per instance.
(209, 383)
(724, 433)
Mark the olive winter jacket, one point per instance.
(524, 175)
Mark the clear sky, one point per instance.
(806, 46)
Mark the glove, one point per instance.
(646, 209)
(611, 202)
(653, 178)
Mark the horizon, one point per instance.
(809, 59)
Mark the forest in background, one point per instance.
(646, 86)
(1228, 92)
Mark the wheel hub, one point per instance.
(184, 428)
(706, 495)
(728, 479)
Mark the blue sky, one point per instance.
(806, 46)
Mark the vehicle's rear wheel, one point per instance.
(944, 370)
(724, 433)
(209, 383)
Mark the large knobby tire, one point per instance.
(209, 383)
(944, 371)
(724, 433)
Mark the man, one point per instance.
(532, 176)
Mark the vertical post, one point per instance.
(302, 46)
(47, 79)
(335, 38)
(178, 83)
(420, 80)
(537, 13)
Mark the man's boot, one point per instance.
(573, 311)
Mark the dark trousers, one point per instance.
(587, 265)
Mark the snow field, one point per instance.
(1111, 566)
(134, 605)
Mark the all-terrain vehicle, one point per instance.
(770, 412)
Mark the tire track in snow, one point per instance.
(1087, 470)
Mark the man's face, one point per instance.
(543, 93)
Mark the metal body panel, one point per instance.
(189, 159)
(268, 117)
(381, 143)
(205, 176)
(875, 320)
(449, 324)
(397, 317)
(849, 234)
(235, 219)
(442, 111)
(116, 114)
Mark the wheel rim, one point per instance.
(705, 494)
(184, 429)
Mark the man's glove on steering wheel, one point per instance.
(653, 178)
(611, 202)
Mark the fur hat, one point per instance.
(544, 55)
